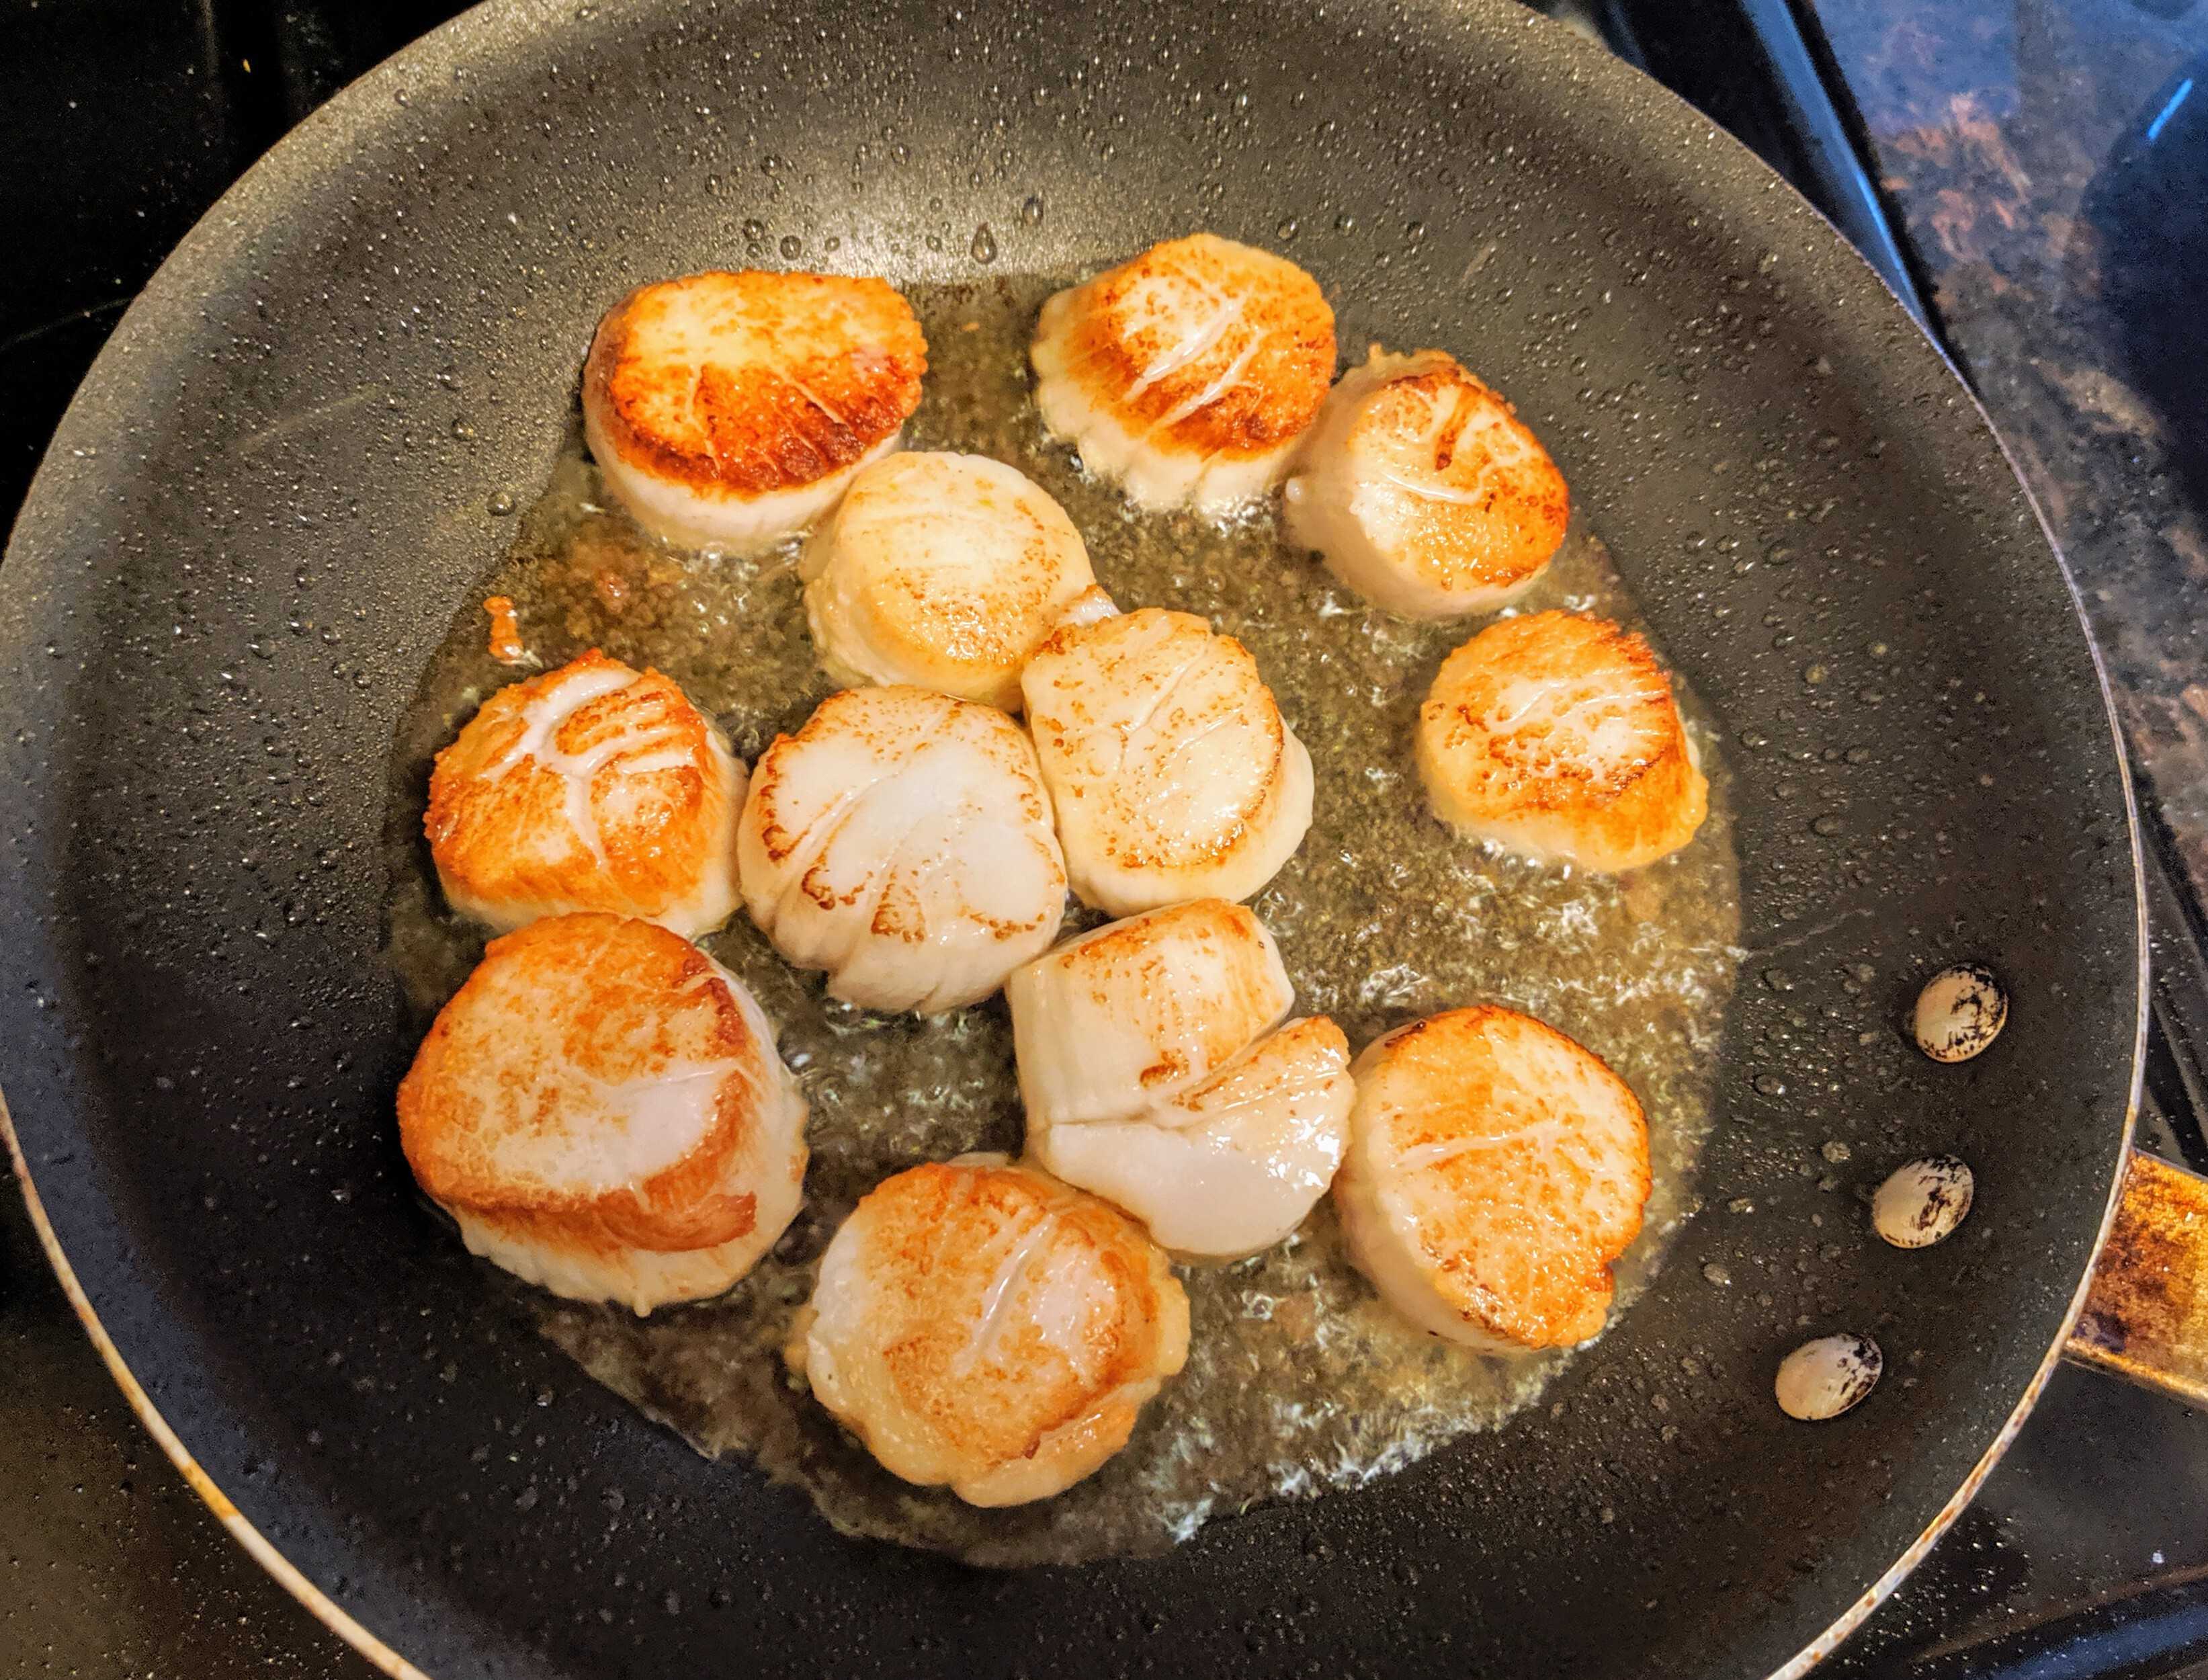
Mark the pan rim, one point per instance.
(1967, 1491)
(461, 39)
(240, 1527)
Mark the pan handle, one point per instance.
(2145, 1316)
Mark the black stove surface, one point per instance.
(2087, 1553)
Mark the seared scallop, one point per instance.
(981, 1326)
(1188, 372)
(1496, 1170)
(1424, 491)
(1556, 737)
(601, 1108)
(902, 841)
(1170, 767)
(733, 409)
(1125, 1017)
(1231, 1164)
(947, 571)
(594, 787)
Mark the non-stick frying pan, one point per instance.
(277, 486)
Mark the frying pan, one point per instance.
(279, 483)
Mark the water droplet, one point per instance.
(791, 248)
(1770, 1084)
(1345, 223)
(464, 431)
(1031, 210)
(1286, 230)
(1779, 980)
(1717, 1274)
(1826, 826)
(984, 247)
(501, 504)
(754, 230)
(1835, 1151)
(713, 184)
(1778, 553)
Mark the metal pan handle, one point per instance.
(2146, 1310)
(2145, 1316)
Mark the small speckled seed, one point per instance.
(1922, 1201)
(1961, 1010)
(1821, 1379)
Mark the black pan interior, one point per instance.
(275, 490)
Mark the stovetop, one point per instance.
(2031, 177)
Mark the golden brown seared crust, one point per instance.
(1558, 731)
(640, 773)
(1124, 955)
(1191, 682)
(746, 384)
(1137, 972)
(902, 840)
(1204, 346)
(897, 722)
(1519, 507)
(992, 1361)
(942, 569)
(506, 1112)
(1529, 1160)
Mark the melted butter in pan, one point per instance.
(1299, 1380)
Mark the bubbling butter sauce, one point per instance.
(1298, 1379)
